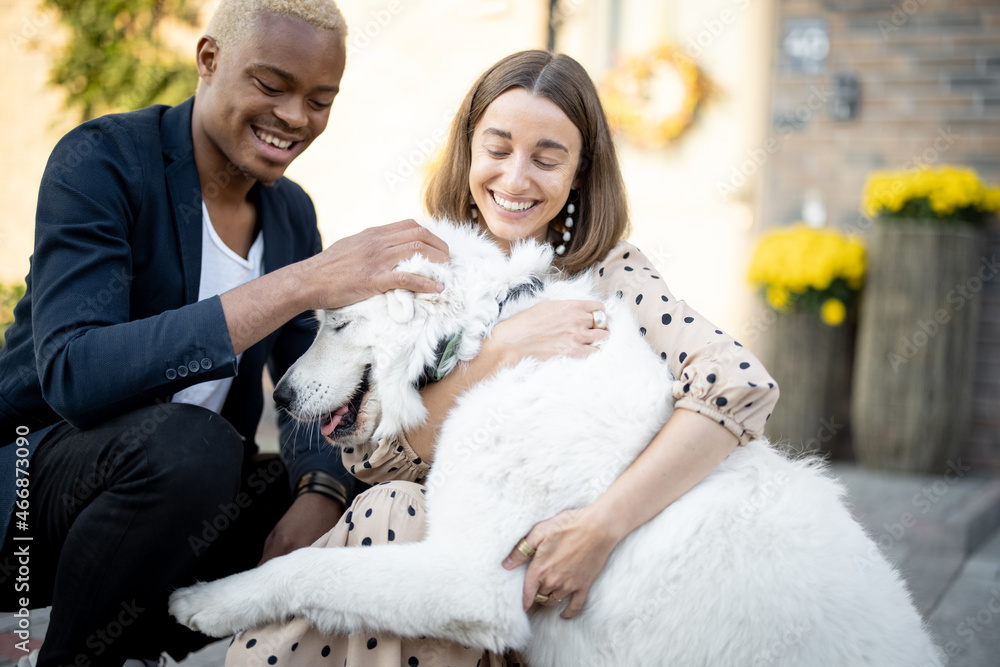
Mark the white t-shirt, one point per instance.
(221, 270)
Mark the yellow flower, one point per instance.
(778, 297)
(799, 257)
(991, 200)
(947, 189)
(833, 312)
(803, 268)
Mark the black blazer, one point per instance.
(111, 319)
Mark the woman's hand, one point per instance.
(547, 329)
(572, 548)
(570, 551)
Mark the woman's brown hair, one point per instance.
(601, 216)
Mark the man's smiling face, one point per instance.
(264, 100)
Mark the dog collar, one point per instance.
(524, 289)
(448, 347)
(443, 353)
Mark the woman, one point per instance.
(530, 155)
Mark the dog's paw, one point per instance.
(218, 609)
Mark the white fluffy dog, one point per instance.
(759, 564)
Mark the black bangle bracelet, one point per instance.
(323, 491)
(318, 481)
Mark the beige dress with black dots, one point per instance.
(716, 377)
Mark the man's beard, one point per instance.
(247, 172)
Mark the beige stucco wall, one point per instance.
(410, 63)
(31, 115)
(699, 241)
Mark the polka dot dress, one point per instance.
(392, 512)
(386, 460)
(716, 376)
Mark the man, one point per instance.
(172, 261)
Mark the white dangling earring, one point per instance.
(567, 235)
(472, 203)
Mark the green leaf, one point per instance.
(115, 60)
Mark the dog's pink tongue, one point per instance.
(326, 428)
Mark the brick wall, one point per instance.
(929, 80)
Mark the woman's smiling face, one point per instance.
(525, 154)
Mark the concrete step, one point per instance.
(966, 621)
(943, 533)
(942, 514)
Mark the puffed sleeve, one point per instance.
(385, 460)
(716, 376)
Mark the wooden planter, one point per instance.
(811, 363)
(912, 388)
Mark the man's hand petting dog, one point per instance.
(363, 265)
(351, 270)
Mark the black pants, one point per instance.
(124, 513)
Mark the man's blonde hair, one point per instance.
(234, 19)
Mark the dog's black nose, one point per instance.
(283, 394)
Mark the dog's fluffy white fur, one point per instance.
(759, 564)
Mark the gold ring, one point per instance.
(525, 548)
(541, 599)
(600, 319)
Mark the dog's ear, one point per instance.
(400, 302)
